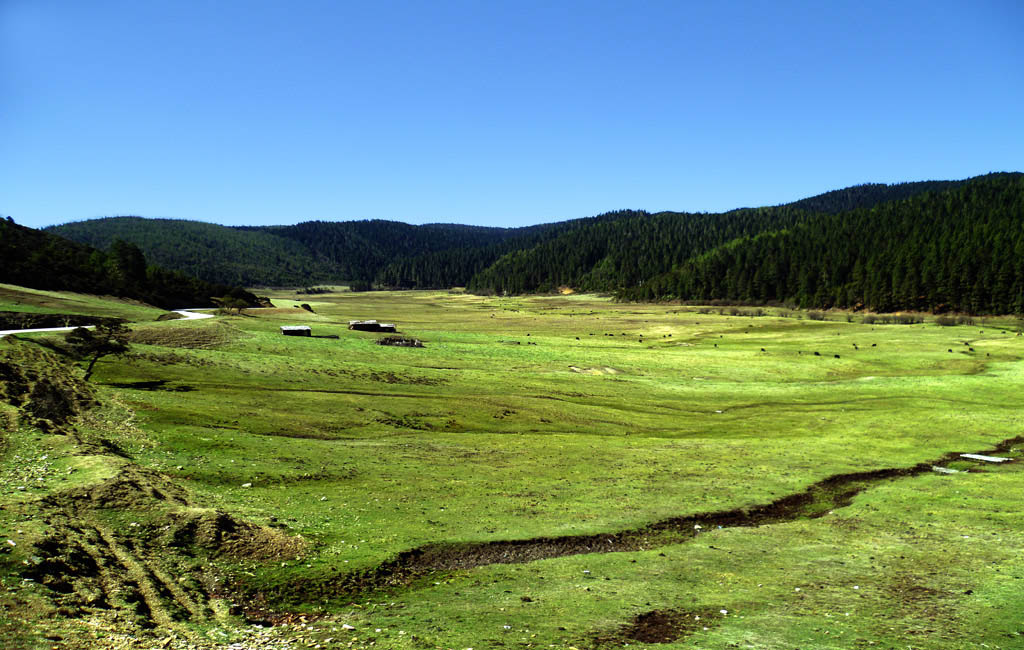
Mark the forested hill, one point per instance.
(961, 249)
(39, 260)
(359, 250)
(207, 251)
(833, 249)
(306, 253)
(607, 256)
(622, 254)
(868, 194)
(387, 253)
(456, 267)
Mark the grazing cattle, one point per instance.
(817, 354)
(837, 356)
(762, 349)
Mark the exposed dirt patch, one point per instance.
(47, 391)
(221, 534)
(393, 378)
(281, 311)
(169, 359)
(403, 422)
(171, 315)
(156, 384)
(204, 336)
(400, 341)
(605, 370)
(660, 626)
(154, 575)
(132, 487)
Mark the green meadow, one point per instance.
(571, 417)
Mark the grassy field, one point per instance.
(535, 476)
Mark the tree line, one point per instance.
(961, 250)
(939, 245)
(39, 260)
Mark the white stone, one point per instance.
(987, 459)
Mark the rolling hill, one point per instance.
(642, 256)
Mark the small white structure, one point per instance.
(296, 330)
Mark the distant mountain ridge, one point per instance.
(631, 253)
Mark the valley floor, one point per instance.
(563, 472)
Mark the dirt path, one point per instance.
(187, 314)
(192, 314)
(44, 329)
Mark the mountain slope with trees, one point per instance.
(961, 249)
(306, 253)
(805, 252)
(40, 260)
(207, 251)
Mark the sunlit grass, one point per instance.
(548, 416)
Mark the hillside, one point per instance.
(637, 255)
(867, 195)
(624, 254)
(40, 260)
(208, 251)
(458, 266)
(306, 253)
(961, 249)
(360, 250)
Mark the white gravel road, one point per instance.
(188, 314)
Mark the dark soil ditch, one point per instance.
(660, 626)
(817, 500)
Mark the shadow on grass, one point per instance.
(156, 384)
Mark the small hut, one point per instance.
(296, 330)
(371, 326)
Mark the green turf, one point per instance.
(523, 418)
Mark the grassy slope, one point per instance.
(14, 298)
(368, 451)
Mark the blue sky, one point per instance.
(492, 112)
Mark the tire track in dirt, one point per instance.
(815, 501)
(153, 594)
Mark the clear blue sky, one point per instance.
(492, 112)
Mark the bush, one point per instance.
(947, 321)
(892, 319)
